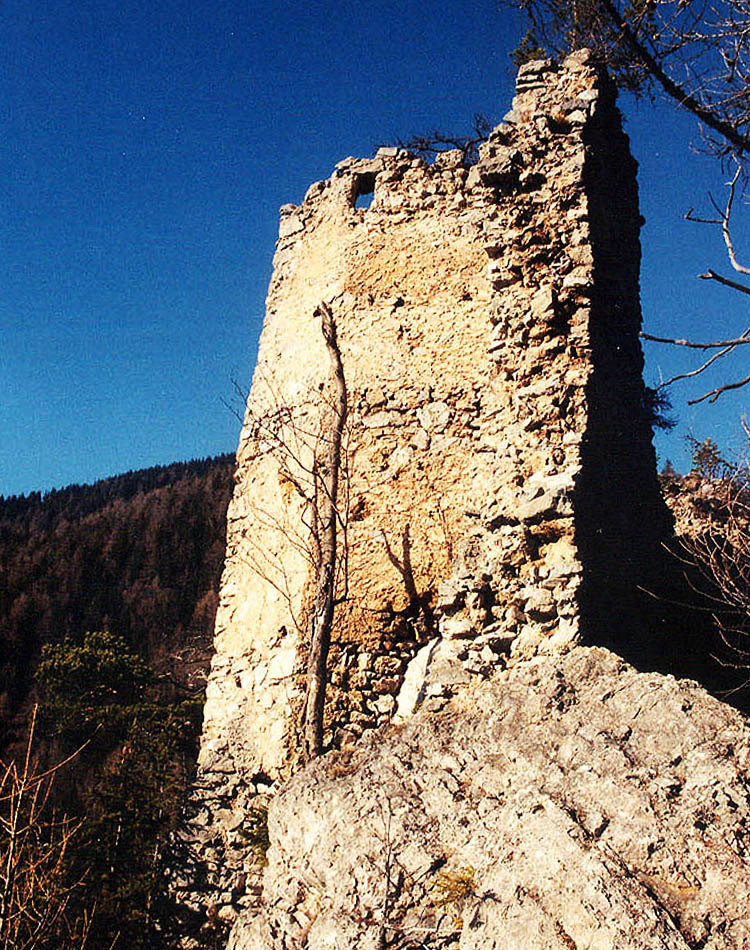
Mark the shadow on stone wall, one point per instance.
(634, 596)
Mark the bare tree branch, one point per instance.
(711, 117)
(724, 347)
(714, 394)
(741, 269)
(713, 344)
(35, 888)
(326, 527)
(430, 144)
(712, 275)
(720, 552)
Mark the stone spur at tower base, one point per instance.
(499, 493)
(567, 802)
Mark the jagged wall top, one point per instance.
(550, 100)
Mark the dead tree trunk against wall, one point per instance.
(325, 518)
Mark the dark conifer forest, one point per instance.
(138, 555)
(108, 594)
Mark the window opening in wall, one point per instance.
(364, 189)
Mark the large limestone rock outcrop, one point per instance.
(568, 802)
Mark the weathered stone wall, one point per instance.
(501, 497)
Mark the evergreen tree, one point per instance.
(138, 739)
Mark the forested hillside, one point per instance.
(107, 600)
(138, 555)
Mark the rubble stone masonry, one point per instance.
(499, 492)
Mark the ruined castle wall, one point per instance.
(487, 320)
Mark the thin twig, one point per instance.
(712, 344)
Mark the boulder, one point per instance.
(568, 802)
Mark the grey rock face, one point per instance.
(568, 802)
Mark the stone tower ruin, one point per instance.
(499, 493)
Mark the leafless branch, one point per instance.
(712, 275)
(326, 530)
(725, 230)
(714, 118)
(714, 394)
(720, 552)
(723, 347)
(689, 216)
(35, 889)
(430, 144)
(713, 344)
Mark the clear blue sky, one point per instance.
(146, 149)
